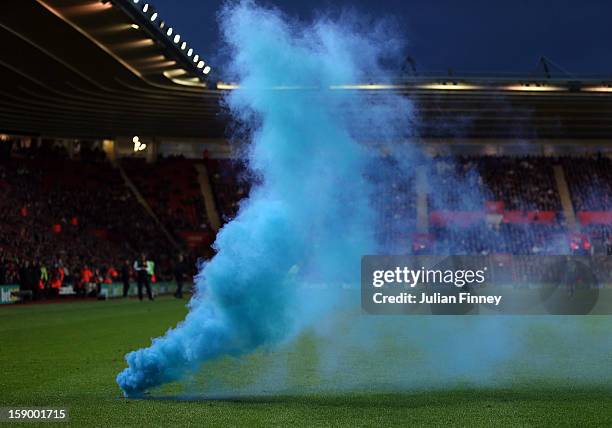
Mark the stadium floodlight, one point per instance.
(201, 64)
(135, 26)
(190, 52)
(136, 1)
(169, 32)
(177, 38)
(196, 58)
(138, 145)
(206, 69)
(184, 46)
(154, 16)
(145, 8)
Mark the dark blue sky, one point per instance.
(474, 35)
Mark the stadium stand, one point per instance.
(521, 183)
(70, 215)
(448, 196)
(394, 201)
(590, 182)
(171, 189)
(229, 185)
(513, 205)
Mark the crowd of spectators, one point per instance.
(393, 200)
(70, 220)
(455, 185)
(171, 189)
(523, 183)
(467, 183)
(230, 184)
(590, 182)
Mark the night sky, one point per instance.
(473, 36)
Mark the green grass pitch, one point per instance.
(68, 355)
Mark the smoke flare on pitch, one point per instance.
(310, 218)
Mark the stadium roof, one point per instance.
(101, 69)
(85, 68)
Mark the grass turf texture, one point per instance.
(68, 355)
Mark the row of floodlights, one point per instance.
(200, 64)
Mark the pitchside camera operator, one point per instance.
(141, 267)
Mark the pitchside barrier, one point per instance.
(115, 290)
(9, 294)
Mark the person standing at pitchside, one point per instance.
(141, 267)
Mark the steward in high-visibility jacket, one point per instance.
(44, 277)
(141, 267)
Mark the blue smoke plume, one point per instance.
(330, 176)
(310, 220)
